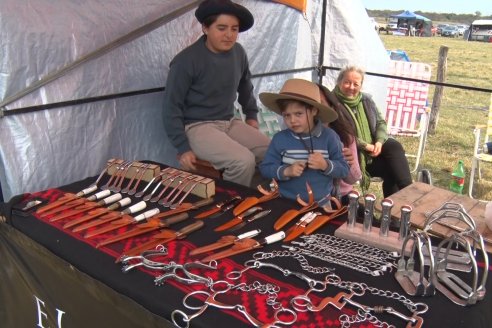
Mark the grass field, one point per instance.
(469, 64)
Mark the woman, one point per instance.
(203, 83)
(379, 156)
(347, 136)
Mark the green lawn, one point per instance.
(469, 64)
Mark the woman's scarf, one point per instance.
(356, 110)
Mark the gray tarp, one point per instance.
(49, 148)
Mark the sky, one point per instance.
(436, 6)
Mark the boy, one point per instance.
(307, 151)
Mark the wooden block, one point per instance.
(372, 238)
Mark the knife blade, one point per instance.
(223, 242)
(245, 245)
(226, 208)
(238, 219)
(321, 220)
(140, 229)
(218, 207)
(250, 219)
(163, 237)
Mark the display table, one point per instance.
(55, 278)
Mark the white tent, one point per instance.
(111, 58)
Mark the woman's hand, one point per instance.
(348, 156)
(188, 160)
(316, 161)
(295, 169)
(374, 150)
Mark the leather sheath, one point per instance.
(222, 242)
(321, 220)
(92, 214)
(239, 247)
(111, 216)
(290, 215)
(140, 229)
(68, 205)
(60, 201)
(77, 210)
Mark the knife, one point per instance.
(123, 222)
(140, 229)
(92, 214)
(76, 202)
(163, 237)
(250, 219)
(219, 208)
(111, 216)
(238, 219)
(296, 230)
(87, 206)
(245, 245)
(224, 241)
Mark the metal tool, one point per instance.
(86, 206)
(249, 202)
(291, 214)
(353, 207)
(369, 201)
(296, 230)
(249, 220)
(387, 205)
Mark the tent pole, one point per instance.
(321, 71)
(101, 51)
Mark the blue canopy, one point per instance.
(410, 15)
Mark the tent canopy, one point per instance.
(109, 105)
(410, 16)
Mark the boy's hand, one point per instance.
(316, 161)
(295, 169)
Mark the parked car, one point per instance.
(450, 31)
(440, 27)
(461, 29)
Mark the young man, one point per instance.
(307, 151)
(203, 83)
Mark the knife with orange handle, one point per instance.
(163, 237)
(87, 206)
(76, 202)
(111, 216)
(245, 245)
(94, 213)
(142, 228)
(224, 241)
(249, 202)
(321, 220)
